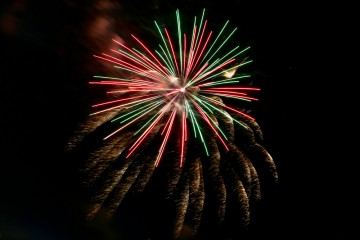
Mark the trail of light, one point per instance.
(153, 72)
(197, 46)
(141, 56)
(221, 82)
(117, 63)
(134, 120)
(212, 45)
(233, 56)
(151, 105)
(114, 78)
(146, 123)
(183, 138)
(118, 83)
(173, 92)
(138, 110)
(132, 68)
(127, 104)
(196, 127)
(224, 113)
(206, 118)
(166, 61)
(138, 89)
(200, 102)
(203, 48)
(223, 43)
(126, 80)
(142, 73)
(163, 71)
(191, 51)
(179, 38)
(172, 50)
(198, 73)
(228, 94)
(205, 71)
(213, 122)
(166, 125)
(121, 100)
(208, 68)
(165, 140)
(124, 66)
(227, 54)
(165, 43)
(235, 88)
(184, 60)
(188, 111)
(200, 27)
(220, 73)
(200, 78)
(223, 105)
(148, 130)
(149, 88)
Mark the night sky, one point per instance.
(46, 62)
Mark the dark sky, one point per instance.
(46, 61)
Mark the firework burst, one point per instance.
(173, 103)
(169, 84)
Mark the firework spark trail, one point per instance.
(241, 166)
(111, 181)
(122, 188)
(264, 161)
(101, 158)
(117, 179)
(255, 185)
(144, 176)
(238, 199)
(215, 180)
(248, 140)
(251, 132)
(234, 155)
(181, 202)
(197, 195)
(173, 174)
(87, 127)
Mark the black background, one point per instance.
(45, 65)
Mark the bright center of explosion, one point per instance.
(182, 89)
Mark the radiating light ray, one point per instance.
(139, 56)
(134, 120)
(166, 46)
(172, 51)
(233, 109)
(211, 125)
(168, 130)
(146, 132)
(183, 137)
(125, 104)
(180, 44)
(138, 111)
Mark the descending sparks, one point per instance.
(178, 81)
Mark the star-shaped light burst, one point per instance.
(178, 86)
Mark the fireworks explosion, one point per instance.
(172, 117)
